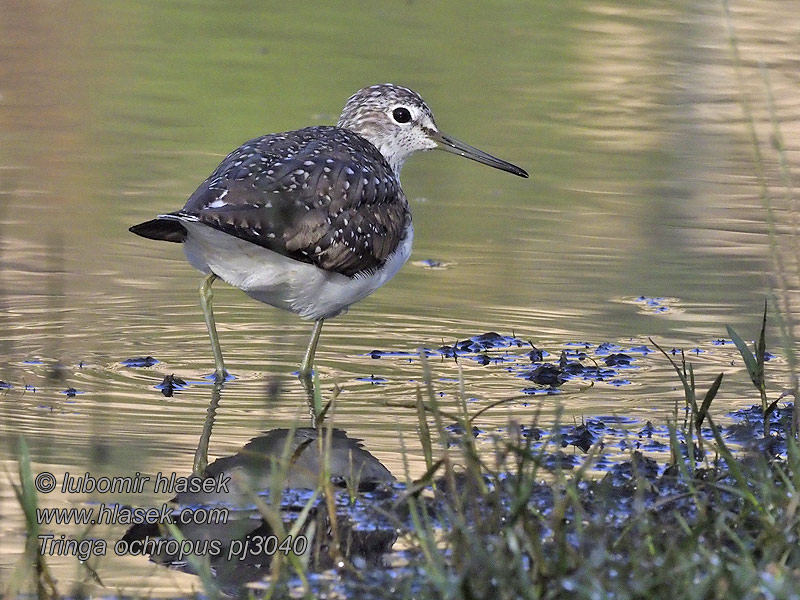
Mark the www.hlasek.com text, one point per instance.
(117, 514)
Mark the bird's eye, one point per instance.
(401, 115)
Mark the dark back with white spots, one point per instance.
(321, 195)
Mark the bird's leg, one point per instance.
(306, 371)
(311, 398)
(205, 301)
(308, 360)
(201, 454)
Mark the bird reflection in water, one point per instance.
(274, 481)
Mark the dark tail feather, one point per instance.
(161, 229)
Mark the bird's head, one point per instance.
(398, 122)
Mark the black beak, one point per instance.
(449, 144)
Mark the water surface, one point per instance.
(641, 218)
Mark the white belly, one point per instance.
(279, 281)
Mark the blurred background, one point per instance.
(642, 216)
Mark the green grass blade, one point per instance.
(706, 404)
(200, 565)
(750, 361)
(761, 346)
(681, 374)
(424, 431)
(734, 468)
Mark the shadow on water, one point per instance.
(311, 492)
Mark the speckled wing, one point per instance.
(320, 195)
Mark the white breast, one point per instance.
(282, 282)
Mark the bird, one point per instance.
(311, 220)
